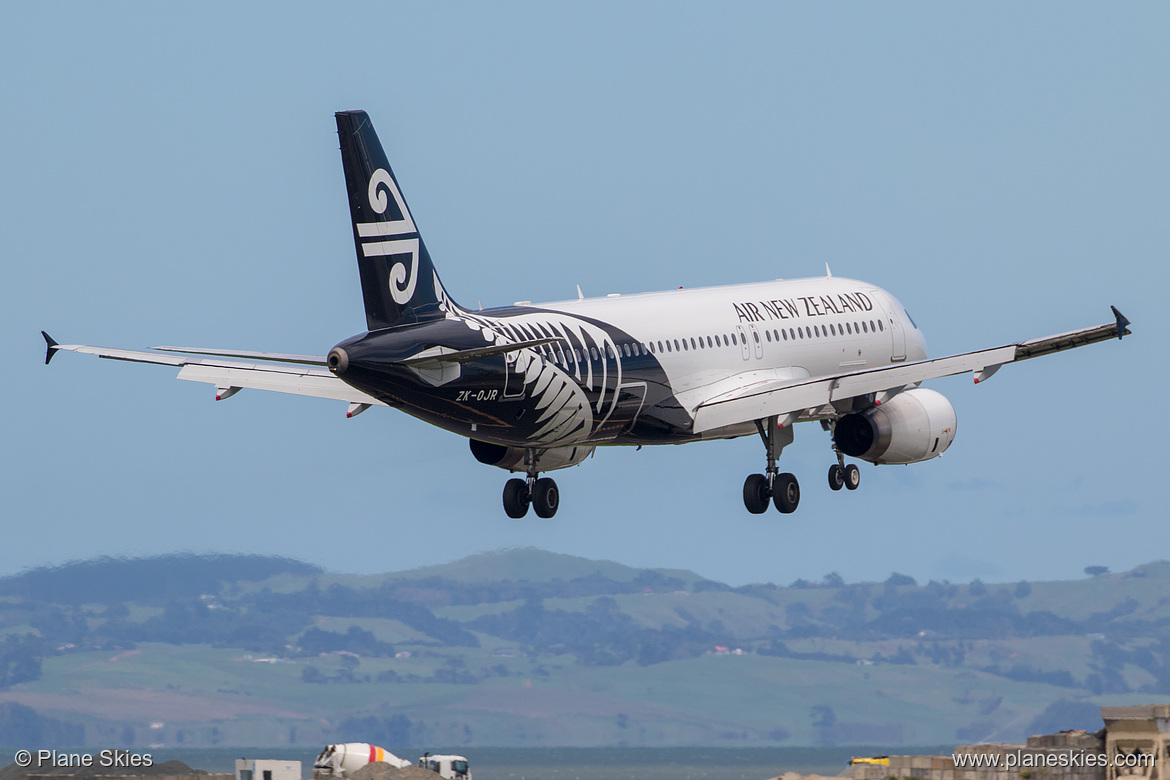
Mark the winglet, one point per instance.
(50, 347)
(1122, 324)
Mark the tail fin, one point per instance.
(398, 280)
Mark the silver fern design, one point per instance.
(555, 375)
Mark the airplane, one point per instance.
(536, 388)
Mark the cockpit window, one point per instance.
(912, 322)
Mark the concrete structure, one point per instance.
(1069, 755)
(267, 769)
(1134, 745)
(1133, 731)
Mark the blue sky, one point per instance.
(171, 176)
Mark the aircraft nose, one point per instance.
(338, 361)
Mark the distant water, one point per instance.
(683, 763)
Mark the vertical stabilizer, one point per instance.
(398, 279)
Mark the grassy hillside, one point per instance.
(523, 647)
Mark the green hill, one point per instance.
(525, 647)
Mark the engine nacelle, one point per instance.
(512, 458)
(913, 426)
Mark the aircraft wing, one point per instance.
(280, 373)
(791, 399)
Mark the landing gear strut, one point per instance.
(539, 492)
(782, 489)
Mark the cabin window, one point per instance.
(651, 347)
(864, 328)
(726, 340)
(817, 331)
(847, 330)
(742, 338)
(685, 344)
(776, 335)
(660, 347)
(593, 351)
(832, 329)
(693, 343)
(768, 335)
(756, 336)
(710, 343)
(677, 348)
(800, 332)
(881, 327)
(609, 351)
(872, 327)
(701, 344)
(626, 349)
(668, 349)
(784, 333)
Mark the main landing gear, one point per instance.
(782, 490)
(539, 492)
(841, 475)
(772, 487)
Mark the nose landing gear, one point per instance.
(541, 493)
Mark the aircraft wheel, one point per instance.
(756, 494)
(546, 497)
(516, 498)
(836, 477)
(786, 493)
(852, 476)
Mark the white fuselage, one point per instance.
(711, 340)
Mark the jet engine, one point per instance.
(512, 458)
(913, 426)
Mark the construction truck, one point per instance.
(338, 762)
(447, 767)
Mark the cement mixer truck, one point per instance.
(338, 762)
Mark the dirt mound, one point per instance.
(14, 772)
(380, 770)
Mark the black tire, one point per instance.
(756, 494)
(546, 497)
(786, 493)
(516, 498)
(836, 477)
(852, 476)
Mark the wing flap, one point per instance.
(312, 384)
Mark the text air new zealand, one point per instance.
(538, 388)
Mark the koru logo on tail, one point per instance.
(402, 279)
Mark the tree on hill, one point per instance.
(20, 660)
